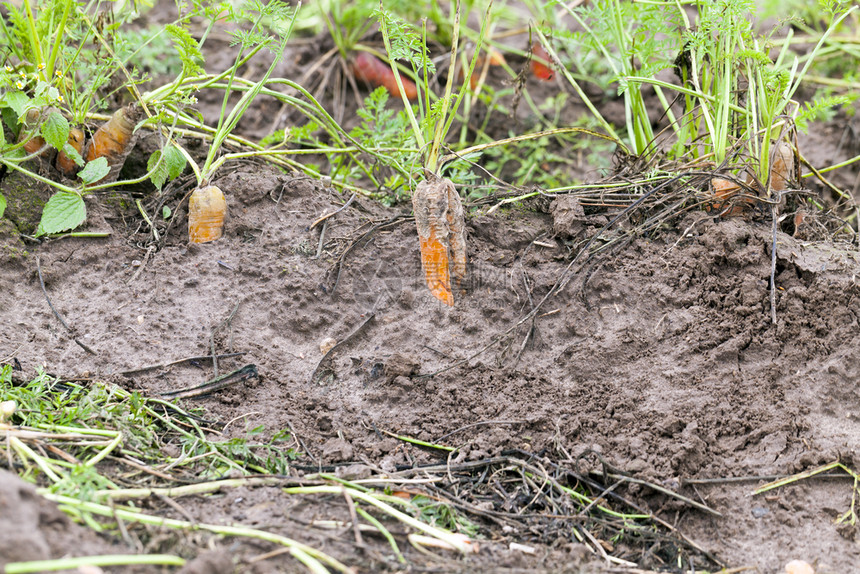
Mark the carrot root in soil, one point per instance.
(114, 139)
(373, 71)
(36, 142)
(440, 219)
(64, 163)
(207, 209)
(540, 70)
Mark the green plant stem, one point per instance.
(186, 490)
(37, 177)
(585, 99)
(146, 218)
(105, 451)
(84, 234)
(25, 451)
(382, 530)
(35, 44)
(536, 135)
(438, 134)
(226, 530)
(104, 560)
(413, 121)
(55, 51)
(444, 535)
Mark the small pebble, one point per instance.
(135, 263)
(326, 345)
(758, 512)
(799, 567)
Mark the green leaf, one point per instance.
(165, 212)
(2, 205)
(159, 176)
(73, 154)
(18, 101)
(94, 170)
(63, 211)
(188, 50)
(55, 129)
(10, 118)
(174, 160)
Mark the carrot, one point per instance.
(64, 163)
(206, 211)
(540, 70)
(439, 217)
(373, 71)
(727, 202)
(35, 143)
(113, 140)
(782, 170)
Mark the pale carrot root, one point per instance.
(783, 167)
(727, 200)
(207, 210)
(439, 218)
(114, 139)
(456, 219)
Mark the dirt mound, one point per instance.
(659, 360)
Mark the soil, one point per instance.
(659, 361)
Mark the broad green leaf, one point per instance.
(94, 170)
(165, 212)
(75, 156)
(10, 118)
(18, 101)
(159, 176)
(174, 160)
(63, 211)
(55, 130)
(2, 205)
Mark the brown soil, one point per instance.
(664, 363)
(658, 361)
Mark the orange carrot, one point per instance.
(727, 201)
(439, 217)
(113, 140)
(540, 70)
(35, 143)
(206, 211)
(64, 163)
(373, 71)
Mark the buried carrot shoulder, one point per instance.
(373, 71)
(540, 70)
